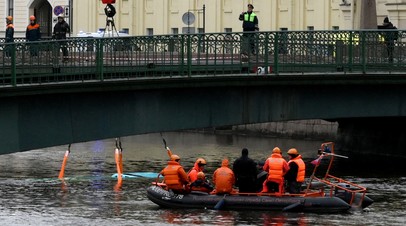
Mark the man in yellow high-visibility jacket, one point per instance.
(249, 25)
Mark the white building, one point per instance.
(147, 17)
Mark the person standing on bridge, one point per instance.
(60, 30)
(33, 34)
(249, 26)
(389, 38)
(9, 34)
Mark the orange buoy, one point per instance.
(65, 159)
(118, 164)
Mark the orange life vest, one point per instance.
(32, 27)
(275, 168)
(174, 175)
(301, 168)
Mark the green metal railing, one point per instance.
(99, 59)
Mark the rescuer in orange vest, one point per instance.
(198, 167)
(33, 33)
(296, 173)
(276, 167)
(175, 176)
(9, 35)
(223, 179)
(201, 184)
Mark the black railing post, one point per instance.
(13, 65)
(189, 55)
(275, 54)
(99, 59)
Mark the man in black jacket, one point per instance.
(249, 25)
(60, 30)
(389, 37)
(245, 171)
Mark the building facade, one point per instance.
(155, 17)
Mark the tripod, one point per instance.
(110, 26)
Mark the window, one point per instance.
(200, 30)
(228, 30)
(10, 11)
(150, 31)
(284, 29)
(310, 28)
(175, 30)
(336, 28)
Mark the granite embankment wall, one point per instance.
(302, 129)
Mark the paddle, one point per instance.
(166, 147)
(293, 207)
(220, 203)
(121, 155)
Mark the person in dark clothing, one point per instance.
(245, 171)
(60, 30)
(9, 35)
(33, 34)
(389, 37)
(249, 25)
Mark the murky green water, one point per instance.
(31, 194)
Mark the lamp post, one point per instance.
(204, 19)
(203, 9)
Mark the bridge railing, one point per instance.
(98, 59)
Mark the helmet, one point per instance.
(276, 150)
(9, 18)
(200, 175)
(201, 161)
(250, 6)
(175, 158)
(32, 17)
(293, 151)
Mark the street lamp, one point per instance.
(189, 18)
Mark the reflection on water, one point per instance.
(31, 194)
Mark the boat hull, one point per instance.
(199, 200)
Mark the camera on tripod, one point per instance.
(110, 11)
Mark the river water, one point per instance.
(31, 194)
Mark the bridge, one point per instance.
(113, 87)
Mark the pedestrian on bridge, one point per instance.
(33, 34)
(249, 25)
(9, 34)
(60, 30)
(390, 38)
